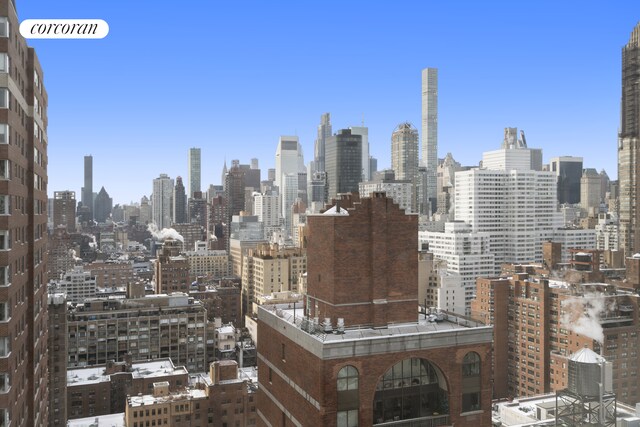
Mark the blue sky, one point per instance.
(230, 77)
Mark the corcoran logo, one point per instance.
(64, 29)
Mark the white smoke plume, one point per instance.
(165, 233)
(72, 253)
(582, 315)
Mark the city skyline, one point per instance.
(525, 66)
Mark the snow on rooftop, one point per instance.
(226, 329)
(111, 420)
(94, 375)
(334, 211)
(149, 399)
(586, 355)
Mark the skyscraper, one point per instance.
(404, 152)
(162, 201)
(87, 190)
(103, 206)
(343, 162)
(64, 210)
(23, 230)
(629, 146)
(430, 131)
(180, 202)
(194, 171)
(289, 158)
(324, 132)
(363, 131)
(569, 172)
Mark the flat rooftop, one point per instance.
(111, 420)
(149, 399)
(365, 340)
(97, 374)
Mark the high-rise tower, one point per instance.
(179, 202)
(324, 132)
(404, 151)
(162, 201)
(343, 162)
(87, 190)
(629, 146)
(194, 171)
(23, 229)
(430, 131)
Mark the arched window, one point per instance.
(471, 383)
(412, 389)
(348, 397)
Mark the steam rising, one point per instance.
(582, 315)
(165, 233)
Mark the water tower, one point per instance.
(589, 399)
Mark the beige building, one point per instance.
(271, 268)
(224, 397)
(150, 327)
(207, 263)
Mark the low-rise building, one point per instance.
(101, 390)
(150, 327)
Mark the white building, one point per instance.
(162, 201)
(400, 191)
(267, 207)
(78, 285)
(607, 233)
(466, 253)
(574, 238)
(516, 205)
(289, 158)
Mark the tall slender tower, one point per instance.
(87, 190)
(179, 203)
(629, 146)
(24, 395)
(430, 131)
(324, 132)
(162, 201)
(194, 171)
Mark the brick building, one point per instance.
(539, 323)
(101, 390)
(225, 397)
(372, 360)
(57, 360)
(171, 270)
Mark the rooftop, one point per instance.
(96, 374)
(426, 332)
(111, 420)
(149, 399)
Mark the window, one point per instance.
(4, 26)
(4, 63)
(4, 133)
(5, 240)
(5, 169)
(348, 397)
(4, 97)
(5, 205)
(4, 383)
(471, 382)
(5, 349)
(5, 312)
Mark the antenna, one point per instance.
(362, 119)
